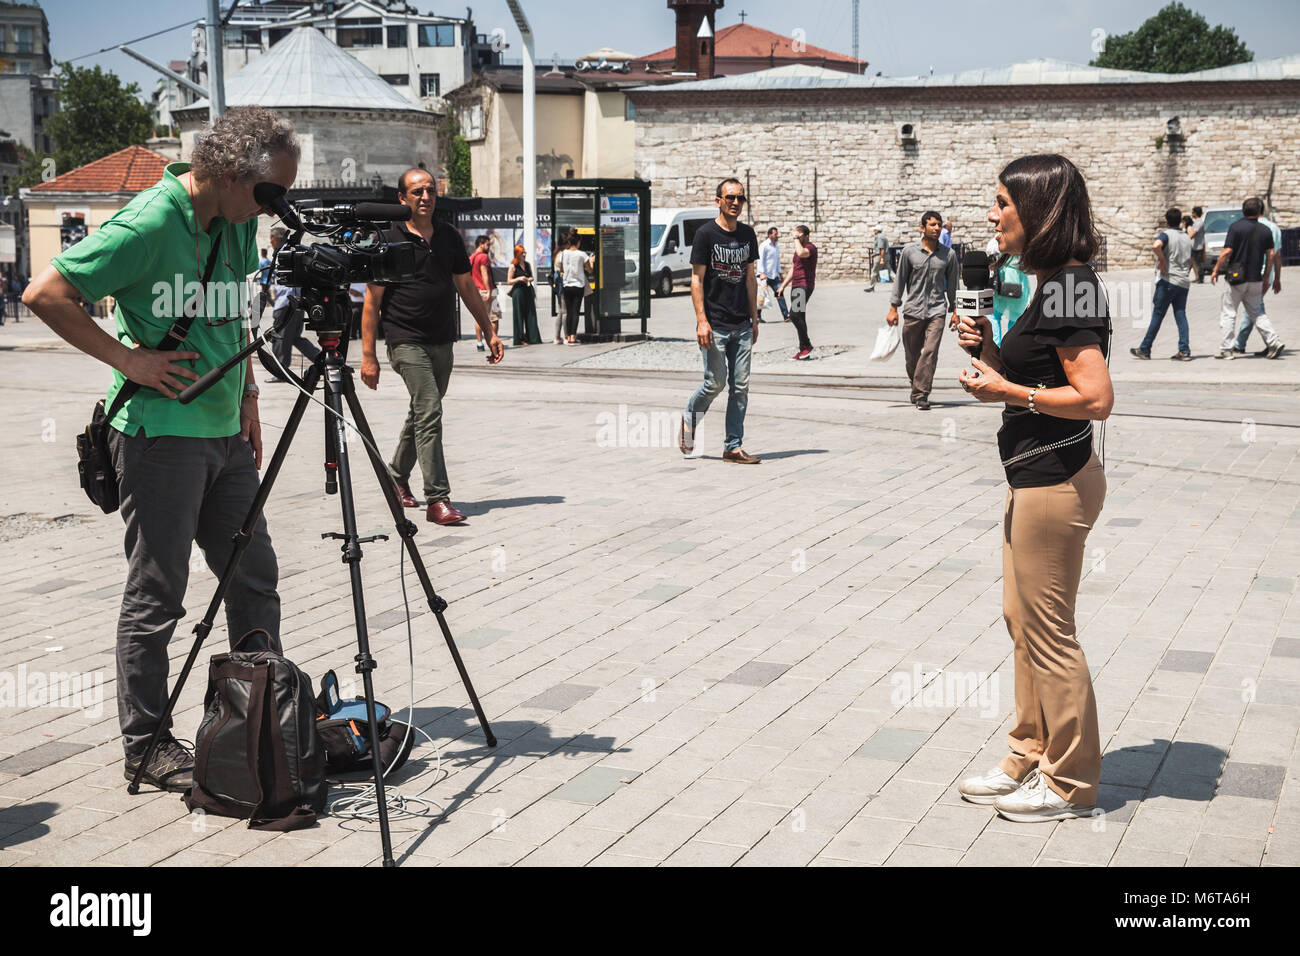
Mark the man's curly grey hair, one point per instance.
(242, 144)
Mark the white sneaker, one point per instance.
(1035, 802)
(986, 789)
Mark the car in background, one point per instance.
(1218, 219)
(671, 233)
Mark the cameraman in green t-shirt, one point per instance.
(186, 473)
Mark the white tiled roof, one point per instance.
(306, 70)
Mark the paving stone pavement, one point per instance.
(691, 664)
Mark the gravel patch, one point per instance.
(13, 527)
(683, 355)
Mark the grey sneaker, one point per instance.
(986, 789)
(1182, 357)
(172, 767)
(1273, 351)
(1224, 354)
(1139, 353)
(1036, 802)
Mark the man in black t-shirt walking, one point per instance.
(419, 322)
(724, 291)
(1250, 244)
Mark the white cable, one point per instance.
(359, 801)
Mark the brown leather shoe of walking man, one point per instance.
(739, 456)
(441, 512)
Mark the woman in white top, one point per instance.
(574, 265)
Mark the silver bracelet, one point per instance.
(1031, 401)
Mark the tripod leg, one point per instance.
(337, 378)
(407, 530)
(241, 541)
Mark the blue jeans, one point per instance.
(727, 361)
(1168, 294)
(775, 286)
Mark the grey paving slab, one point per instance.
(53, 584)
(1195, 662)
(480, 637)
(29, 761)
(757, 673)
(1286, 647)
(662, 592)
(1123, 522)
(1274, 585)
(877, 541)
(1252, 780)
(593, 785)
(890, 743)
(560, 697)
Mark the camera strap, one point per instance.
(176, 335)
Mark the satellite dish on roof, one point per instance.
(582, 65)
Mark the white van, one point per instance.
(1218, 219)
(671, 233)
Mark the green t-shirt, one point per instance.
(145, 256)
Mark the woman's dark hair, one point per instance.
(1051, 199)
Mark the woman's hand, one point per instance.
(984, 383)
(973, 332)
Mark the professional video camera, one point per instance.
(323, 271)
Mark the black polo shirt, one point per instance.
(422, 310)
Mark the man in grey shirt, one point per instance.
(926, 288)
(1173, 249)
(877, 256)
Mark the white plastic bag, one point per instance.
(887, 339)
(763, 293)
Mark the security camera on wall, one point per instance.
(1173, 129)
(906, 133)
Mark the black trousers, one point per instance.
(799, 297)
(572, 307)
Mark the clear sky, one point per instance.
(899, 39)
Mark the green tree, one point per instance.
(1175, 40)
(32, 168)
(97, 115)
(460, 177)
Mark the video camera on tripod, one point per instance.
(324, 270)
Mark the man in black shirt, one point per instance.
(724, 290)
(1250, 243)
(419, 319)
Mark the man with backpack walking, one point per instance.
(1247, 253)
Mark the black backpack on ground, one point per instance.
(257, 755)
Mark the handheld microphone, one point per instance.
(976, 298)
(271, 196)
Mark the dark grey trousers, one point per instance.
(921, 338)
(176, 491)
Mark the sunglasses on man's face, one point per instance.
(736, 199)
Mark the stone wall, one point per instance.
(847, 141)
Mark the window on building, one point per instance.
(629, 111)
(397, 36)
(470, 119)
(276, 34)
(26, 37)
(360, 32)
(249, 36)
(396, 79)
(437, 34)
(430, 84)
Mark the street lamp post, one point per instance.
(530, 134)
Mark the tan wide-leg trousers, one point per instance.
(1044, 531)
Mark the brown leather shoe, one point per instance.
(441, 512)
(739, 456)
(404, 492)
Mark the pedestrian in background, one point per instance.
(769, 268)
(574, 266)
(480, 264)
(802, 279)
(523, 298)
(1247, 323)
(926, 283)
(1173, 251)
(1247, 253)
(1197, 231)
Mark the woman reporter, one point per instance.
(1051, 373)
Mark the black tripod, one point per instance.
(332, 365)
